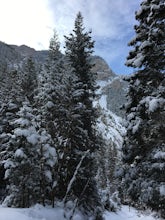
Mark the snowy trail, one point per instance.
(41, 213)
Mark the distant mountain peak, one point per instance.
(24, 50)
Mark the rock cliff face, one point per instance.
(8, 56)
(12, 55)
(25, 51)
(101, 68)
(113, 87)
(116, 95)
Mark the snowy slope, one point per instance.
(39, 212)
(109, 124)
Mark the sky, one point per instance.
(32, 22)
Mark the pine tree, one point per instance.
(50, 100)
(10, 101)
(51, 86)
(148, 44)
(29, 78)
(54, 49)
(79, 48)
(143, 149)
(82, 136)
(19, 163)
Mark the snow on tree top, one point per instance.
(19, 153)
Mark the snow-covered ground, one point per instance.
(39, 212)
(130, 213)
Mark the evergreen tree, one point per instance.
(19, 163)
(10, 101)
(143, 150)
(148, 44)
(29, 78)
(51, 85)
(82, 135)
(50, 101)
(54, 49)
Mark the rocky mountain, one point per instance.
(12, 56)
(25, 51)
(112, 87)
(116, 95)
(8, 56)
(101, 68)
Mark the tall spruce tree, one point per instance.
(143, 150)
(20, 162)
(29, 78)
(10, 100)
(51, 100)
(82, 136)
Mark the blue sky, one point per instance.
(32, 22)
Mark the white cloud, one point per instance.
(107, 18)
(25, 22)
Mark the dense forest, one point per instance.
(52, 147)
